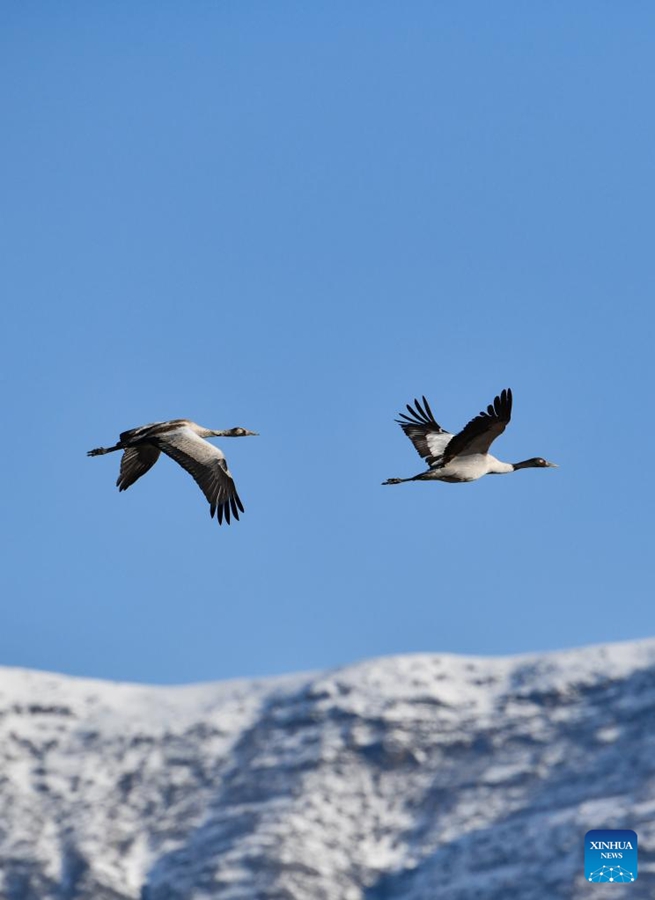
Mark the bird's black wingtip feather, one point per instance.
(418, 415)
(503, 403)
(424, 416)
(234, 503)
(427, 408)
(227, 510)
(501, 408)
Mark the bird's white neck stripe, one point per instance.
(496, 467)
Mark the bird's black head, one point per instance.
(537, 462)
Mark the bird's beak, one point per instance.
(552, 465)
(251, 434)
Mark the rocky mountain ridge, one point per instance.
(402, 778)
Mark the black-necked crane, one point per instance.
(184, 442)
(464, 456)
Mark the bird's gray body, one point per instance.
(182, 440)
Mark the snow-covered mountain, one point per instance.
(416, 777)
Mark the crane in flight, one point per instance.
(463, 456)
(183, 441)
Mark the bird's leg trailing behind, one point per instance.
(423, 476)
(100, 450)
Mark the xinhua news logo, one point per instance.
(610, 856)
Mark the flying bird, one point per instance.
(464, 456)
(184, 442)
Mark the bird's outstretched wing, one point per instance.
(135, 462)
(428, 437)
(482, 431)
(208, 467)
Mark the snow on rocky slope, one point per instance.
(406, 778)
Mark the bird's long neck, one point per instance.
(203, 432)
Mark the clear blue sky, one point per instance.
(295, 218)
